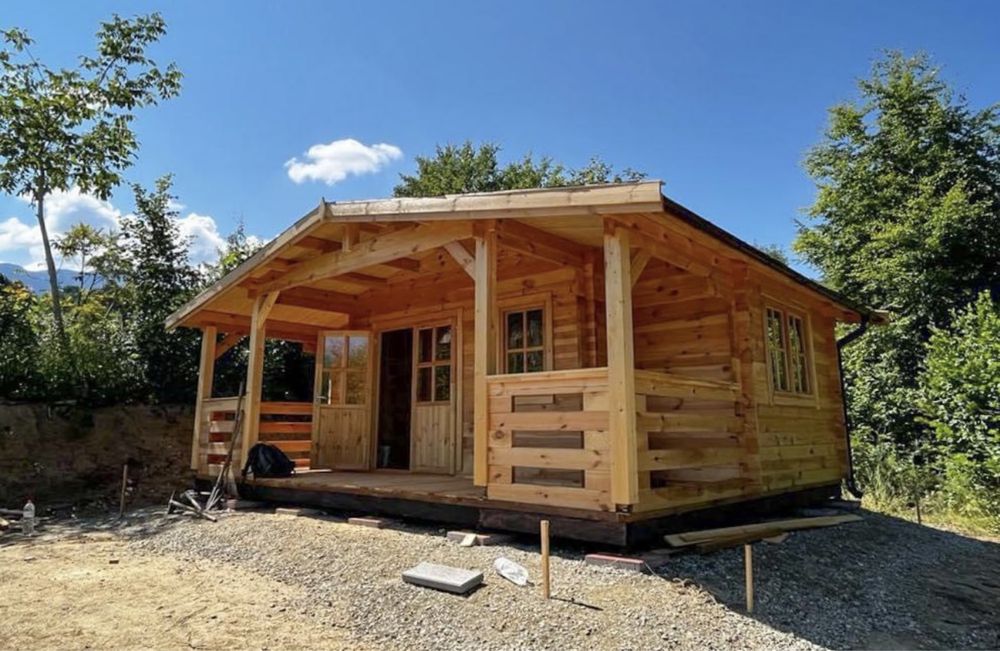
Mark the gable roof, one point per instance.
(531, 204)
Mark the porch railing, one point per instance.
(549, 439)
(287, 425)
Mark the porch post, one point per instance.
(485, 344)
(255, 371)
(206, 377)
(621, 367)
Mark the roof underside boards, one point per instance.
(555, 225)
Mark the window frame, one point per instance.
(343, 370)
(790, 359)
(433, 364)
(546, 346)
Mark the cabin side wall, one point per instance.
(802, 439)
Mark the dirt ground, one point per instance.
(258, 580)
(91, 592)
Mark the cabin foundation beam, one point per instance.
(621, 367)
(485, 344)
(206, 377)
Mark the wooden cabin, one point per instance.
(599, 355)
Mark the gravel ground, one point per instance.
(881, 583)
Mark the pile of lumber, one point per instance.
(713, 539)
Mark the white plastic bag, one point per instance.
(511, 571)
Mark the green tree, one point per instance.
(159, 279)
(61, 128)
(907, 216)
(89, 248)
(239, 247)
(960, 400)
(457, 169)
(18, 341)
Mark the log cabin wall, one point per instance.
(802, 438)
(443, 289)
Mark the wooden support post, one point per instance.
(485, 344)
(590, 310)
(255, 372)
(206, 376)
(748, 569)
(546, 588)
(621, 368)
(121, 501)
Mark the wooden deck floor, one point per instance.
(402, 485)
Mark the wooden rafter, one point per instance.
(230, 340)
(320, 299)
(540, 244)
(367, 253)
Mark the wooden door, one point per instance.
(432, 427)
(342, 431)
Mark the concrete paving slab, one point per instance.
(442, 577)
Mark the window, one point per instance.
(787, 359)
(524, 341)
(434, 364)
(344, 375)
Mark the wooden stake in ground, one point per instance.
(121, 502)
(748, 567)
(544, 525)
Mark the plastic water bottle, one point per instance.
(511, 571)
(28, 519)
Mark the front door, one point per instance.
(432, 439)
(395, 399)
(342, 435)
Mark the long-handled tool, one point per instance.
(218, 490)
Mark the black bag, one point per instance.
(268, 461)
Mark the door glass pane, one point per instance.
(424, 384)
(515, 330)
(333, 352)
(535, 361)
(535, 327)
(515, 362)
(443, 349)
(357, 351)
(356, 389)
(442, 383)
(324, 388)
(425, 344)
(332, 386)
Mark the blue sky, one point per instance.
(719, 100)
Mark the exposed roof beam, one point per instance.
(319, 299)
(540, 244)
(375, 251)
(462, 256)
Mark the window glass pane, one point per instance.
(515, 330)
(324, 388)
(515, 362)
(535, 361)
(443, 349)
(333, 352)
(776, 350)
(425, 344)
(442, 383)
(356, 389)
(357, 351)
(535, 328)
(332, 386)
(424, 384)
(797, 350)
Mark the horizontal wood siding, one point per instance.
(286, 425)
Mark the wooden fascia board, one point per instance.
(545, 202)
(369, 253)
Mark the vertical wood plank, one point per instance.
(206, 378)
(544, 530)
(742, 324)
(485, 345)
(255, 372)
(621, 366)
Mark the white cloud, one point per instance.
(22, 240)
(335, 161)
(204, 235)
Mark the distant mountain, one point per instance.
(38, 281)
